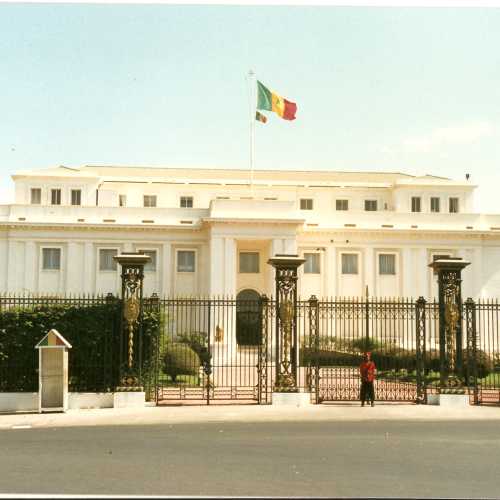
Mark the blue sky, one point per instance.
(396, 89)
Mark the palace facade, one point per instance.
(211, 231)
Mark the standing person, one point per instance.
(367, 372)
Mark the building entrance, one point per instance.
(248, 331)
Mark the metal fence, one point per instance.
(486, 324)
(89, 323)
(223, 350)
(209, 350)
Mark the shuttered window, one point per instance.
(349, 263)
(387, 263)
(51, 259)
(149, 200)
(106, 261)
(311, 265)
(36, 196)
(249, 262)
(185, 261)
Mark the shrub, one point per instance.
(484, 364)
(364, 344)
(93, 329)
(329, 358)
(198, 342)
(180, 359)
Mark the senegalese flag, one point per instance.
(270, 101)
(260, 117)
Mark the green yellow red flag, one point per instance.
(270, 101)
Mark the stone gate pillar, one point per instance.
(450, 323)
(286, 321)
(132, 276)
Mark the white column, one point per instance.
(217, 269)
(12, 267)
(72, 269)
(167, 264)
(4, 258)
(406, 270)
(477, 272)
(330, 271)
(423, 274)
(290, 246)
(277, 247)
(30, 270)
(369, 271)
(230, 267)
(88, 268)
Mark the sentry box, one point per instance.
(53, 372)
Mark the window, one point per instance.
(36, 196)
(386, 263)
(435, 204)
(453, 205)
(416, 204)
(106, 261)
(370, 205)
(55, 196)
(185, 261)
(150, 200)
(311, 265)
(51, 259)
(249, 262)
(306, 204)
(186, 202)
(122, 200)
(76, 196)
(349, 263)
(341, 204)
(151, 265)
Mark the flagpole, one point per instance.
(251, 78)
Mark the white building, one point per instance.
(210, 232)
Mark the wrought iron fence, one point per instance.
(203, 350)
(345, 329)
(88, 322)
(482, 351)
(209, 350)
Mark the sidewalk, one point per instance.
(240, 413)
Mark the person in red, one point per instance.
(367, 372)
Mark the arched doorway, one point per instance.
(247, 318)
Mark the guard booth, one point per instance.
(53, 372)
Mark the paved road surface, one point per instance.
(370, 458)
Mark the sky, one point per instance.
(413, 90)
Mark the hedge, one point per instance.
(92, 330)
(393, 359)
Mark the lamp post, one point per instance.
(132, 277)
(449, 272)
(286, 321)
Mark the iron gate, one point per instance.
(210, 350)
(199, 357)
(336, 333)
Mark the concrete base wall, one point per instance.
(77, 400)
(18, 401)
(291, 398)
(448, 400)
(28, 401)
(129, 399)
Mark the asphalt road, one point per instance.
(374, 459)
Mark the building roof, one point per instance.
(108, 173)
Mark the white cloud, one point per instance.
(442, 137)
